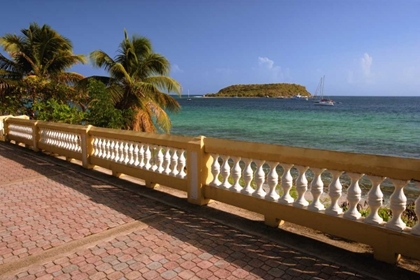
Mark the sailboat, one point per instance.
(188, 95)
(323, 101)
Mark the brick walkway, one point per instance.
(57, 223)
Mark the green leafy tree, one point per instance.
(101, 111)
(37, 62)
(139, 82)
(58, 111)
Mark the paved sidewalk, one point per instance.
(58, 223)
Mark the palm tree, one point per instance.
(139, 81)
(38, 57)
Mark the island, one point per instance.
(280, 90)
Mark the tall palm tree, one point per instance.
(139, 81)
(38, 56)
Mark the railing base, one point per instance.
(272, 221)
(385, 256)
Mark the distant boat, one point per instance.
(189, 95)
(320, 89)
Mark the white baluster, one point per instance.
(136, 155)
(153, 160)
(48, 137)
(59, 139)
(174, 166)
(147, 157)
(107, 147)
(117, 151)
(416, 229)
(334, 191)
(126, 154)
(53, 140)
(181, 165)
(317, 188)
(131, 153)
(286, 184)
(167, 161)
(272, 181)
(159, 159)
(65, 140)
(73, 145)
(96, 150)
(247, 175)
(301, 187)
(215, 171)
(225, 173)
(123, 155)
(112, 150)
(397, 204)
(141, 156)
(259, 179)
(68, 141)
(354, 193)
(236, 175)
(374, 199)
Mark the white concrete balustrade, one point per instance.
(20, 131)
(61, 139)
(282, 183)
(328, 205)
(159, 159)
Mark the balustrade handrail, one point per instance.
(192, 164)
(61, 126)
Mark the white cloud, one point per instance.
(265, 62)
(366, 63)
(361, 72)
(272, 72)
(176, 69)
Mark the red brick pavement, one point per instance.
(44, 205)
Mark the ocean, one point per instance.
(368, 125)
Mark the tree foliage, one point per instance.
(139, 83)
(36, 64)
(58, 111)
(101, 111)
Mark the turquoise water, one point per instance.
(372, 125)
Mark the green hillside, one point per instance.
(261, 90)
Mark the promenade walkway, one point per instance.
(60, 221)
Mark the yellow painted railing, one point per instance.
(267, 179)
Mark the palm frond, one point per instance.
(12, 43)
(100, 59)
(118, 72)
(4, 74)
(165, 83)
(153, 64)
(7, 64)
(116, 91)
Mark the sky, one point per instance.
(366, 48)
